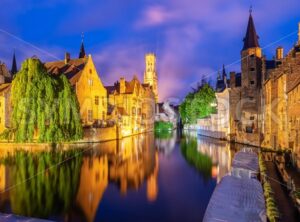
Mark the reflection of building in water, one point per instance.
(2, 177)
(93, 182)
(133, 163)
(4, 183)
(152, 186)
(220, 154)
(166, 145)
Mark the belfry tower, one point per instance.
(251, 60)
(150, 74)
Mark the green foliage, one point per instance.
(200, 161)
(44, 106)
(198, 105)
(163, 126)
(272, 209)
(165, 134)
(43, 185)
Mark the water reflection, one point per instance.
(141, 178)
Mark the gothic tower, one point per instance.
(250, 103)
(251, 60)
(150, 75)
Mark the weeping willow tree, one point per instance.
(44, 107)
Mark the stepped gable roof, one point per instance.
(71, 69)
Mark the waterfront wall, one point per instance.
(111, 133)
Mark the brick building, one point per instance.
(281, 84)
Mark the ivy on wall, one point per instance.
(45, 107)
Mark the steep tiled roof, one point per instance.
(129, 86)
(72, 69)
(5, 88)
(251, 38)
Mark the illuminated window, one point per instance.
(90, 82)
(133, 111)
(90, 115)
(97, 100)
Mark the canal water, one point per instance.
(163, 177)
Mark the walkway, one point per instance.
(14, 218)
(285, 205)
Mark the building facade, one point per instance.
(133, 105)
(91, 93)
(281, 103)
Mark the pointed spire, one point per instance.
(82, 50)
(219, 75)
(251, 38)
(14, 68)
(224, 72)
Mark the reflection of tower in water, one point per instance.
(93, 183)
(152, 186)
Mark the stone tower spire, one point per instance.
(224, 75)
(82, 50)
(14, 68)
(150, 74)
(251, 38)
(251, 57)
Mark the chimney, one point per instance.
(67, 58)
(232, 79)
(279, 53)
(122, 85)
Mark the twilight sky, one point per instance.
(192, 38)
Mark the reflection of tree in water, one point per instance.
(201, 162)
(165, 134)
(41, 188)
